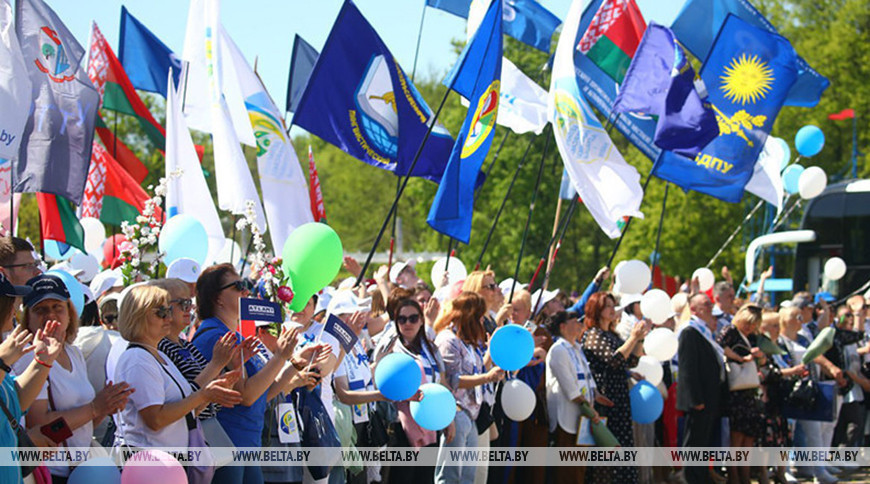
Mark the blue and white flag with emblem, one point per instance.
(609, 187)
(475, 76)
(360, 100)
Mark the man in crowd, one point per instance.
(17, 260)
(723, 311)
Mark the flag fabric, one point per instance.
(610, 187)
(342, 332)
(612, 37)
(600, 91)
(766, 181)
(749, 72)
(121, 152)
(16, 90)
(187, 192)
(566, 189)
(844, 114)
(456, 7)
(285, 193)
(700, 20)
(116, 90)
(57, 221)
(476, 77)
(525, 20)
(123, 199)
(318, 210)
(55, 148)
(144, 57)
(661, 81)
(302, 61)
(359, 99)
(8, 219)
(95, 187)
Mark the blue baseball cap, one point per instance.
(45, 286)
(10, 290)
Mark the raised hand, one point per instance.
(247, 349)
(286, 343)
(221, 391)
(602, 275)
(15, 345)
(503, 313)
(112, 398)
(225, 349)
(431, 310)
(357, 321)
(382, 274)
(352, 266)
(48, 342)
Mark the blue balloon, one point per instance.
(58, 250)
(76, 294)
(436, 410)
(183, 236)
(791, 178)
(809, 140)
(646, 402)
(787, 158)
(101, 470)
(398, 376)
(511, 347)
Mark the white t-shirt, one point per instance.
(118, 347)
(355, 367)
(312, 336)
(154, 386)
(69, 389)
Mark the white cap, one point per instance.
(506, 285)
(346, 302)
(544, 299)
(106, 280)
(66, 267)
(626, 299)
(347, 283)
(323, 298)
(112, 297)
(185, 269)
(398, 267)
(89, 295)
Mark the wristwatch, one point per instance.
(4, 366)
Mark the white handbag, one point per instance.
(742, 376)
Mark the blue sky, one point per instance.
(264, 29)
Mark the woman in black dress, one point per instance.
(609, 357)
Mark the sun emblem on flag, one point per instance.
(747, 79)
(483, 121)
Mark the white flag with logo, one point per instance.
(285, 191)
(766, 181)
(16, 91)
(609, 187)
(188, 193)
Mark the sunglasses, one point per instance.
(163, 312)
(412, 319)
(240, 285)
(110, 318)
(491, 287)
(184, 303)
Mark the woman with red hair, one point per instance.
(609, 357)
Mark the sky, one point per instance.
(264, 29)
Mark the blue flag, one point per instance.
(360, 100)
(699, 21)
(341, 331)
(529, 22)
(456, 7)
(302, 62)
(146, 59)
(476, 76)
(749, 72)
(661, 81)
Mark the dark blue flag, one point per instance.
(749, 72)
(476, 76)
(699, 21)
(146, 59)
(456, 7)
(302, 62)
(601, 91)
(661, 81)
(359, 99)
(342, 332)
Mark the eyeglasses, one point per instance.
(239, 285)
(412, 319)
(183, 303)
(163, 312)
(30, 265)
(110, 318)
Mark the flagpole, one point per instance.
(661, 222)
(401, 189)
(555, 229)
(627, 225)
(503, 202)
(419, 36)
(735, 232)
(562, 229)
(447, 264)
(551, 262)
(11, 200)
(393, 230)
(855, 146)
(529, 217)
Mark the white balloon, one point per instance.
(230, 247)
(655, 304)
(517, 400)
(649, 367)
(633, 276)
(706, 279)
(87, 263)
(812, 182)
(455, 273)
(661, 344)
(95, 234)
(835, 268)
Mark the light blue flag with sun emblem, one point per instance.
(477, 77)
(748, 75)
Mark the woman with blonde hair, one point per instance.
(483, 283)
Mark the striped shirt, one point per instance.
(190, 363)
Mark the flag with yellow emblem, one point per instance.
(748, 75)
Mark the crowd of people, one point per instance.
(162, 363)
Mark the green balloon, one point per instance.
(823, 342)
(312, 258)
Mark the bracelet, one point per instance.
(42, 362)
(4, 366)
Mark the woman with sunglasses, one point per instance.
(68, 392)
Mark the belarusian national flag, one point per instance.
(317, 208)
(123, 197)
(613, 36)
(120, 152)
(118, 93)
(57, 221)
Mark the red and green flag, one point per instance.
(121, 152)
(57, 221)
(613, 36)
(116, 90)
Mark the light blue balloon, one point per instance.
(398, 376)
(787, 150)
(790, 178)
(183, 236)
(58, 250)
(511, 347)
(809, 140)
(76, 294)
(436, 410)
(646, 402)
(101, 470)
